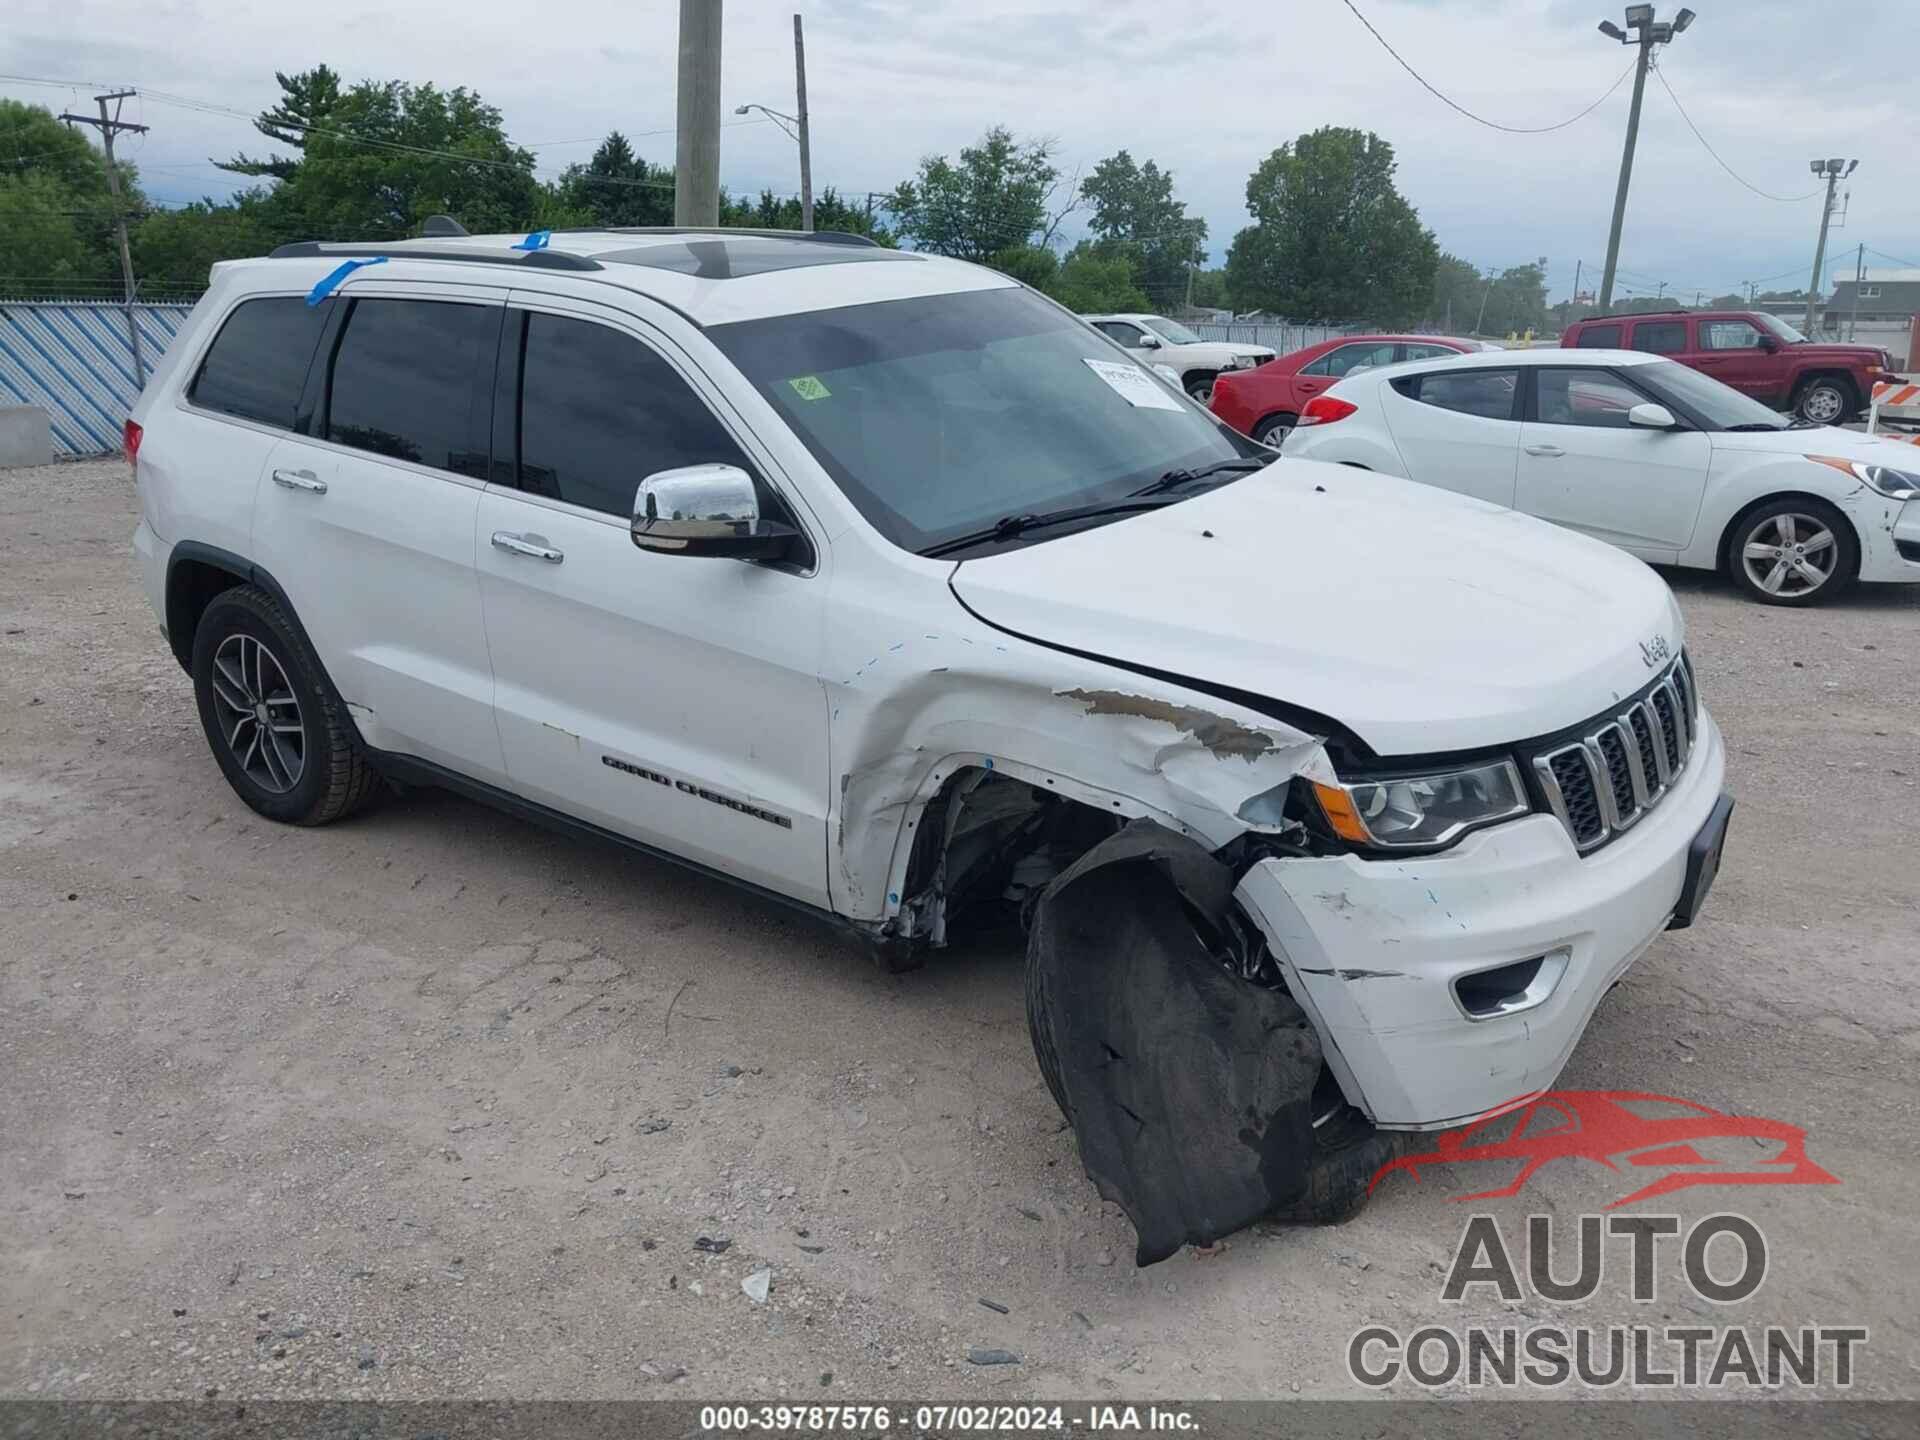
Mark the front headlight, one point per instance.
(1894, 484)
(1421, 811)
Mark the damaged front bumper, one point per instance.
(1375, 950)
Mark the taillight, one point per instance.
(1325, 409)
(130, 435)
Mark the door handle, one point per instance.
(300, 480)
(1552, 452)
(532, 547)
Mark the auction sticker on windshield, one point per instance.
(1133, 385)
(808, 387)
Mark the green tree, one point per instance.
(1210, 290)
(831, 211)
(1332, 239)
(380, 157)
(1093, 281)
(999, 196)
(617, 187)
(56, 212)
(177, 248)
(1136, 216)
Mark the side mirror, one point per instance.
(1768, 343)
(1652, 417)
(709, 510)
(1147, 342)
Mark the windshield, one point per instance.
(1719, 407)
(941, 415)
(1173, 332)
(1781, 328)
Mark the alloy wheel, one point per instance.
(1791, 555)
(258, 714)
(1822, 405)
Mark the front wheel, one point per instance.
(1824, 401)
(283, 742)
(1200, 387)
(1793, 552)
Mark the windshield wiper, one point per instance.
(1754, 425)
(1173, 479)
(1009, 526)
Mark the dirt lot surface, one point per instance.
(432, 1103)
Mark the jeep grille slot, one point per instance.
(1604, 779)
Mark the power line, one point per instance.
(1480, 119)
(1914, 264)
(1660, 75)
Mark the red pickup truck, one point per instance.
(1757, 354)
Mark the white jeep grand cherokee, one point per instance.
(1332, 804)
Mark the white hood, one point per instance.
(1422, 620)
(1827, 440)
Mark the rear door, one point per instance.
(1584, 466)
(367, 521)
(1667, 336)
(1458, 429)
(676, 700)
(1730, 351)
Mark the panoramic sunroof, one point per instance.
(733, 259)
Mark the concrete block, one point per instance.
(25, 436)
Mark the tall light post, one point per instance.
(795, 129)
(1834, 170)
(1648, 33)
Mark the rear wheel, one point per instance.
(285, 745)
(1274, 429)
(1792, 551)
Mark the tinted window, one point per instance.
(1585, 397)
(1599, 337)
(1428, 352)
(1728, 335)
(1663, 337)
(1128, 335)
(257, 364)
(1486, 393)
(1350, 358)
(409, 382)
(599, 412)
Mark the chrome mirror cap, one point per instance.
(711, 510)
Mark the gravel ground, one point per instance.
(433, 1103)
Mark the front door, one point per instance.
(674, 700)
(367, 520)
(1730, 351)
(1584, 466)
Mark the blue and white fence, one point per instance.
(1277, 336)
(74, 360)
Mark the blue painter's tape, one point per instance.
(346, 267)
(536, 241)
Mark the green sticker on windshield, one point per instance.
(808, 387)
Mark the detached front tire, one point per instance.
(286, 746)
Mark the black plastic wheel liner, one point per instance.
(1187, 1088)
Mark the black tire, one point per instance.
(1348, 1150)
(1761, 527)
(1273, 430)
(1200, 387)
(330, 776)
(1826, 400)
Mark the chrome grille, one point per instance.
(1601, 782)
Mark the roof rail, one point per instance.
(818, 237)
(1629, 314)
(524, 259)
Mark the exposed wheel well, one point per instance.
(1733, 525)
(1203, 375)
(191, 587)
(1274, 415)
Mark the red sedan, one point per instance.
(1264, 402)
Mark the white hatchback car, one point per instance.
(881, 584)
(1651, 456)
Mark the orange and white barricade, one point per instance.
(1901, 397)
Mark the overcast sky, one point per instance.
(1206, 90)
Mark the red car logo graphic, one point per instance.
(1625, 1130)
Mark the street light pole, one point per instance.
(806, 149)
(1648, 34)
(1834, 170)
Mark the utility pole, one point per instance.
(1859, 279)
(1575, 305)
(109, 126)
(1648, 34)
(696, 169)
(1834, 170)
(1484, 295)
(806, 148)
